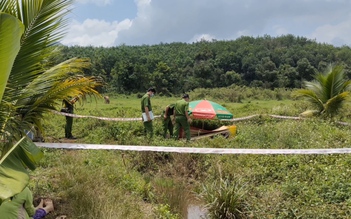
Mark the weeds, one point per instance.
(110, 184)
(163, 211)
(226, 199)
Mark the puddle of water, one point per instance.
(196, 212)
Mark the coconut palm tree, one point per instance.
(29, 87)
(328, 92)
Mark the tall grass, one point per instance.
(112, 184)
(226, 199)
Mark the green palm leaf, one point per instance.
(8, 6)
(44, 22)
(11, 30)
(328, 92)
(33, 87)
(13, 167)
(334, 104)
(310, 96)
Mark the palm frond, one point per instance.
(13, 166)
(334, 104)
(335, 80)
(44, 22)
(34, 107)
(315, 86)
(323, 90)
(328, 91)
(310, 96)
(8, 6)
(51, 77)
(33, 86)
(11, 30)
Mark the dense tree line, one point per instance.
(267, 62)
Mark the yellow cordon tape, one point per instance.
(192, 150)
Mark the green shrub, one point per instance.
(163, 211)
(226, 199)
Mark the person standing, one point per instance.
(181, 117)
(147, 114)
(167, 122)
(68, 106)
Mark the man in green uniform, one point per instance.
(167, 122)
(147, 114)
(182, 118)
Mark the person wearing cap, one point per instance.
(146, 110)
(181, 117)
(167, 122)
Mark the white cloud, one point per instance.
(96, 2)
(183, 20)
(141, 3)
(202, 37)
(93, 32)
(338, 34)
(279, 30)
(187, 21)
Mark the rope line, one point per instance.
(98, 117)
(192, 149)
(227, 120)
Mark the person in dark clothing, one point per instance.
(167, 122)
(68, 108)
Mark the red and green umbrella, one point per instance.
(205, 109)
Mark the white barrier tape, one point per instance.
(193, 150)
(344, 123)
(240, 119)
(285, 117)
(97, 117)
(228, 120)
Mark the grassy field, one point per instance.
(114, 184)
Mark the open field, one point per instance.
(114, 184)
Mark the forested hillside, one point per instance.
(173, 68)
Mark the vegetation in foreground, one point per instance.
(160, 184)
(115, 184)
(30, 84)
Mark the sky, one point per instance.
(110, 23)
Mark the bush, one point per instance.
(225, 199)
(163, 212)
